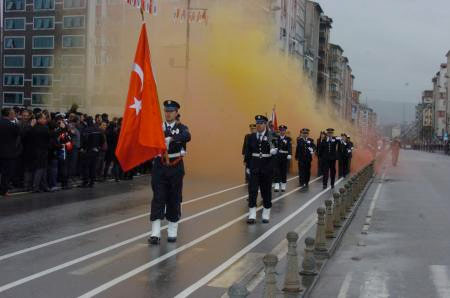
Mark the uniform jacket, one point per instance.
(329, 148)
(284, 146)
(180, 137)
(305, 149)
(10, 139)
(345, 149)
(257, 154)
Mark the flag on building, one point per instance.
(149, 6)
(141, 136)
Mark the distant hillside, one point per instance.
(393, 112)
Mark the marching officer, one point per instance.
(329, 153)
(252, 128)
(345, 150)
(259, 155)
(304, 154)
(351, 145)
(318, 153)
(282, 159)
(167, 176)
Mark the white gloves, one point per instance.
(273, 151)
(168, 140)
(183, 152)
(311, 150)
(247, 170)
(289, 157)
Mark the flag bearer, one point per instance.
(282, 159)
(167, 176)
(304, 154)
(259, 158)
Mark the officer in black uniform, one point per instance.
(167, 176)
(351, 145)
(282, 159)
(92, 140)
(319, 154)
(345, 150)
(329, 153)
(303, 154)
(259, 158)
(252, 128)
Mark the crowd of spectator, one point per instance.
(43, 152)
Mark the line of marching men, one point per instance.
(267, 155)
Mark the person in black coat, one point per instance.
(40, 138)
(329, 154)
(345, 150)
(92, 140)
(303, 154)
(9, 148)
(259, 156)
(282, 159)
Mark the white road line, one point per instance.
(343, 292)
(366, 226)
(164, 257)
(203, 281)
(36, 247)
(109, 248)
(441, 280)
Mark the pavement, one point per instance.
(398, 244)
(94, 241)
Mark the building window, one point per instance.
(12, 98)
(73, 22)
(13, 80)
(42, 80)
(43, 23)
(14, 61)
(14, 42)
(42, 61)
(40, 99)
(74, 4)
(73, 41)
(12, 24)
(72, 61)
(43, 42)
(44, 4)
(11, 5)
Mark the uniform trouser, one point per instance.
(89, 167)
(167, 185)
(304, 172)
(319, 167)
(6, 171)
(263, 182)
(329, 168)
(281, 168)
(345, 167)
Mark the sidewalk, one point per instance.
(405, 252)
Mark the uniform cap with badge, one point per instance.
(261, 119)
(171, 106)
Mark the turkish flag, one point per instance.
(274, 120)
(141, 136)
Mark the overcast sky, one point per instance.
(394, 46)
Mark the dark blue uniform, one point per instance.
(167, 176)
(329, 154)
(303, 154)
(260, 162)
(281, 160)
(345, 151)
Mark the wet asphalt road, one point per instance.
(406, 251)
(95, 244)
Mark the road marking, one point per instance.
(36, 247)
(103, 262)
(366, 226)
(441, 280)
(345, 286)
(109, 248)
(375, 285)
(164, 257)
(188, 291)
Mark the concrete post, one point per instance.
(238, 291)
(329, 219)
(309, 267)
(320, 242)
(292, 279)
(342, 206)
(336, 210)
(270, 284)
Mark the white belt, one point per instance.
(260, 155)
(174, 155)
(282, 151)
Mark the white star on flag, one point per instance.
(137, 106)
